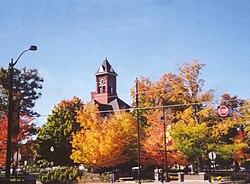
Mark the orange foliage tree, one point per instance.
(153, 143)
(196, 128)
(104, 141)
(184, 101)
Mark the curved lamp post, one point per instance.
(11, 109)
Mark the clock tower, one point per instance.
(105, 84)
(105, 94)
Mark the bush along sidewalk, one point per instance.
(59, 175)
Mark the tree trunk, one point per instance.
(200, 161)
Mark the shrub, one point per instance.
(105, 177)
(59, 175)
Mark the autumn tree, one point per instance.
(3, 138)
(153, 97)
(231, 132)
(186, 103)
(153, 143)
(104, 142)
(57, 132)
(27, 130)
(244, 113)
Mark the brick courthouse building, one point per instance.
(106, 90)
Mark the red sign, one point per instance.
(223, 111)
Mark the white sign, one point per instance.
(17, 156)
(212, 155)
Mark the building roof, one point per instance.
(115, 105)
(105, 68)
(118, 104)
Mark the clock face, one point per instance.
(101, 81)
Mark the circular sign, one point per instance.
(223, 111)
(212, 155)
(17, 156)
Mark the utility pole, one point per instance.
(165, 144)
(10, 119)
(165, 141)
(138, 132)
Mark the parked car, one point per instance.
(2, 170)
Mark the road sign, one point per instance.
(212, 155)
(223, 111)
(17, 156)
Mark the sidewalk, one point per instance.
(171, 182)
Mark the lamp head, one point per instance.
(33, 48)
(52, 149)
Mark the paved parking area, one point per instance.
(171, 182)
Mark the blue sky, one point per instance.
(139, 38)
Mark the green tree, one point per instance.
(26, 90)
(26, 86)
(192, 140)
(57, 132)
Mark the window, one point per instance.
(100, 90)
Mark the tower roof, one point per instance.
(105, 68)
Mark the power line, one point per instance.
(151, 107)
(158, 107)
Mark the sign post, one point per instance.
(212, 157)
(17, 156)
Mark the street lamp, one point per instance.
(11, 109)
(165, 138)
(52, 151)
